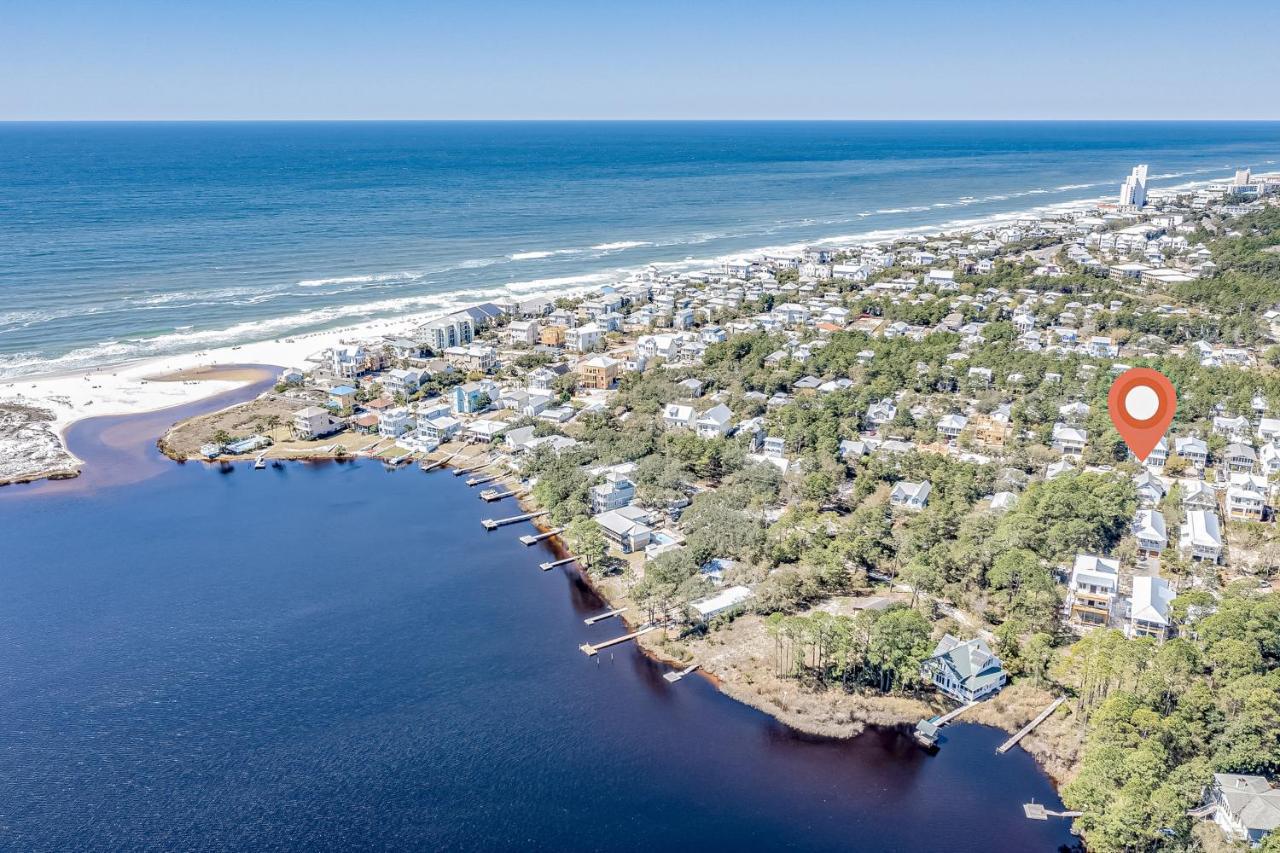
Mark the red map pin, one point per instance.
(1142, 402)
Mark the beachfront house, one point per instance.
(439, 335)
(1246, 808)
(348, 362)
(967, 670)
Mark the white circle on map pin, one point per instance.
(1142, 402)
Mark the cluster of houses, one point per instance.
(579, 351)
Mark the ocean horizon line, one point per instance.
(632, 120)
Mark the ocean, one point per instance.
(129, 240)
(336, 657)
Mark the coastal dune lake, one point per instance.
(336, 657)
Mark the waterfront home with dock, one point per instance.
(965, 670)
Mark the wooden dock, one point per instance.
(600, 617)
(431, 466)
(496, 494)
(476, 481)
(1035, 811)
(546, 567)
(458, 472)
(951, 715)
(673, 677)
(495, 523)
(927, 731)
(534, 538)
(1025, 730)
(591, 649)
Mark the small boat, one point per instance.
(260, 462)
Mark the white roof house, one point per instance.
(677, 416)
(1149, 530)
(1149, 610)
(952, 425)
(722, 601)
(715, 422)
(1068, 439)
(911, 495)
(1201, 538)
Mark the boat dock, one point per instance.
(1035, 811)
(496, 494)
(458, 472)
(927, 731)
(1025, 730)
(495, 523)
(475, 481)
(546, 567)
(673, 677)
(591, 620)
(533, 539)
(431, 466)
(591, 649)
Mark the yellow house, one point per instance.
(552, 336)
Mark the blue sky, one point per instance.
(129, 59)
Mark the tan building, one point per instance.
(552, 336)
(599, 373)
(989, 431)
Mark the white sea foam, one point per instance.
(546, 253)
(419, 307)
(370, 278)
(621, 244)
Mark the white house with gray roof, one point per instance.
(967, 670)
(1246, 808)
